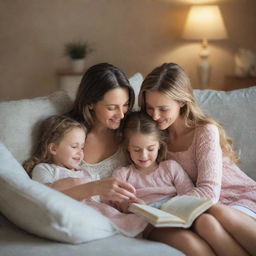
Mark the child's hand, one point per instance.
(66, 183)
(124, 205)
(137, 200)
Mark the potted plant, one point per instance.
(77, 51)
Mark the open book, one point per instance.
(180, 211)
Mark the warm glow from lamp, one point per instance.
(204, 22)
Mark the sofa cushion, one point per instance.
(19, 120)
(236, 111)
(43, 211)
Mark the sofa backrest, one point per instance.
(236, 111)
(19, 120)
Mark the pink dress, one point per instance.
(168, 180)
(215, 176)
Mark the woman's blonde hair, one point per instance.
(140, 122)
(171, 80)
(51, 130)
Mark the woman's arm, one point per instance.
(209, 163)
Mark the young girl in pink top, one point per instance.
(202, 148)
(153, 178)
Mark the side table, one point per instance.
(233, 82)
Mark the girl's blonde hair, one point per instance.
(51, 130)
(140, 122)
(171, 80)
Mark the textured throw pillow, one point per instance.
(136, 81)
(43, 211)
(19, 120)
(235, 110)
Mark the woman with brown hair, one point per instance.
(103, 98)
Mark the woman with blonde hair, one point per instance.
(199, 144)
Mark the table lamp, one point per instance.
(204, 22)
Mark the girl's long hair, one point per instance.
(96, 82)
(51, 130)
(171, 80)
(140, 122)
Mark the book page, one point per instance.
(154, 215)
(186, 207)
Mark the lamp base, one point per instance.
(204, 67)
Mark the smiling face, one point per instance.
(143, 149)
(69, 152)
(111, 109)
(162, 109)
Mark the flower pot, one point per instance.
(77, 65)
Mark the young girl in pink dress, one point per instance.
(153, 178)
(199, 144)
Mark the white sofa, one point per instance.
(37, 220)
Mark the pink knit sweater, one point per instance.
(214, 175)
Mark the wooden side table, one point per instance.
(232, 82)
(69, 81)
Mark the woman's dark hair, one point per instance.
(96, 82)
(140, 122)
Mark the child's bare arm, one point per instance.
(66, 183)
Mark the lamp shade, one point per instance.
(204, 22)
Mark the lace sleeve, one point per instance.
(209, 162)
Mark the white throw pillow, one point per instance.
(136, 81)
(19, 120)
(236, 111)
(43, 211)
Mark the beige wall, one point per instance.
(135, 35)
